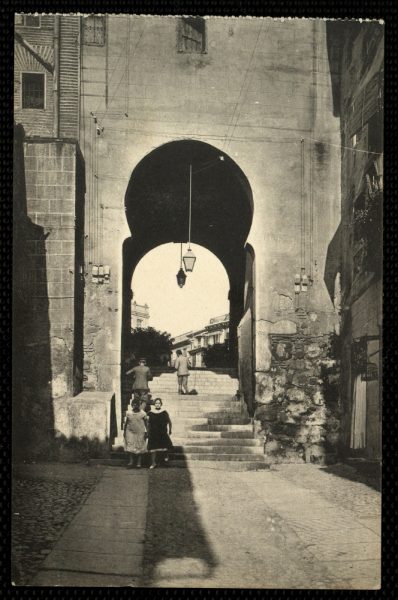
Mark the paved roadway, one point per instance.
(295, 526)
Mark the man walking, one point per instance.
(141, 376)
(182, 365)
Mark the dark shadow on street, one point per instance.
(368, 475)
(32, 373)
(176, 545)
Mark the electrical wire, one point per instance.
(96, 198)
(228, 136)
(122, 53)
(302, 219)
(311, 215)
(91, 193)
(105, 114)
(184, 135)
(127, 66)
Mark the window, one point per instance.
(33, 90)
(27, 20)
(192, 35)
(94, 30)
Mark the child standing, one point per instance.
(135, 434)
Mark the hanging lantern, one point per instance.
(189, 260)
(304, 283)
(181, 278)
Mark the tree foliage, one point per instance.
(151, 344)
(217, 356)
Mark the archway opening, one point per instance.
(157, 211)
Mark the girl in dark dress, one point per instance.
(158, 438)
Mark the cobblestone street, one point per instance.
(46, 497)
(295, 526)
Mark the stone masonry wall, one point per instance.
(50, 170)
(298, 405)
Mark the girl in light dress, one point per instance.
(135, 434)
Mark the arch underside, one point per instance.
(157, 211)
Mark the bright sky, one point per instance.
(175, 309)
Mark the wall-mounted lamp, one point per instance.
(297, 284)
(304, 281)
(94, 274)
(100, 274)
(301, 282)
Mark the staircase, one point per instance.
(210, 429)
(204, 382)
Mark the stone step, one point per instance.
(197, 375)
(224, 465)
(161, 392)
(233, 435)
(192, 384)
(216, 456)
(193, 413)
(229, 420)
(216, 441)
(217, 449)
(182, 398)
(230, 427)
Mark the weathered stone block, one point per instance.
(317, 434)
(315, 454)
(296, 395)
(318, 398)
(318, 417)
(313, 351)
(271, 448)
(267, 412)
(302, 434)
(264, 388)
(284, 326)
(86, 416)
(286, 417)
(296, 409)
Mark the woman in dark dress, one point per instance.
(158, 438)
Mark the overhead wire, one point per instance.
(115, 71)
(302, 218)
(239, 101)
(127, 66)
(311, 213)
(104, 115)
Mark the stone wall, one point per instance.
(298, 404)
(261, 87)
(49, 283)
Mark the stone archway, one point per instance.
(156, 205)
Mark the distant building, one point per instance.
(139, 315)
(195, 342)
